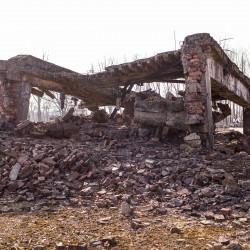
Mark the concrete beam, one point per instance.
(227, 85)
(41, 83)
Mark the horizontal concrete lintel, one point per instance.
(228, 86)
(41, 83)
(227, 94)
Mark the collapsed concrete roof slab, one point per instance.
(201, 64)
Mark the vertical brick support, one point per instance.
(197, 99)
(246, 121)
(14, 100)
(7, 105)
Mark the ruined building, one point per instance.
(209, 76)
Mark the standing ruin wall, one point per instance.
(208, 73)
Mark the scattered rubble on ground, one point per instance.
(127, 172)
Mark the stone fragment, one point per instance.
(72, 247)
(246, 206)
(12, 186)
(225, 211)
(175, 230)
(234, 246)
(126, 197)
(14, 172)
(219, 217)
(125, 209)
(24, 127)
(209, 215)
(6, 209)
(60, 246)
(49, 161)
(82, 246)
(136, 224)
(150, 163)
(246, 185)
(2, 188)
(108, 241)
(26, 171)
(38, 248)
(193, 140)
(77, 246)
(184, 191)
(102, 204)
(30, 196)
(39, 157)
(177, 202)
(22, 159)
(43, 168)
(148, 208)
(16, 247)
(86, 191)
(96, 243)
(105, 220)
(207, 192)
(217, 246)
(224, 241)
(237, 224)
(181, 241)
(243, 220)
(41, 178)
(206, 222)
(161, 210)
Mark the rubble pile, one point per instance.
(104, 162)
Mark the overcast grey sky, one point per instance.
(77, 33)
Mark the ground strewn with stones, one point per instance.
(147, 229)
(112, 187)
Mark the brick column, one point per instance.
(14, 100)
(197, 99)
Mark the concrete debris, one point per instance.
(14, 172)
(112, 165)
(100, 116)
(126, 210)
(193, 140)
(109, 160)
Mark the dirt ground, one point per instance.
(50, 225)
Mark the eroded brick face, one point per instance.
(194, 59)
(8, 100)
(194, 98)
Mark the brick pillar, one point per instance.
(197, 99)
(14, 100)
(246, 121)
